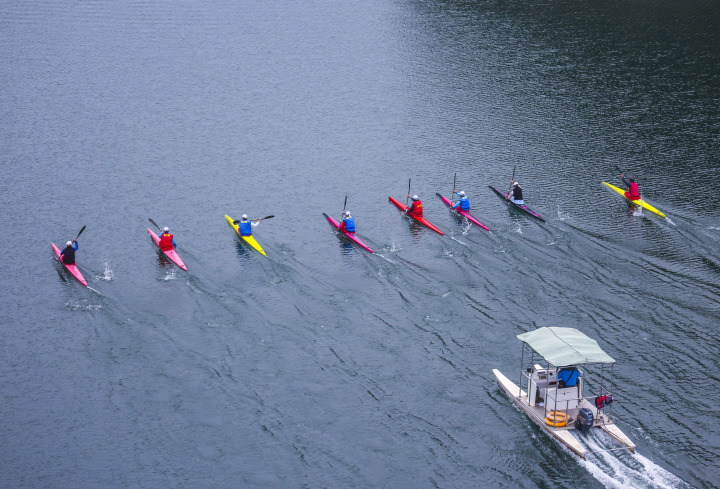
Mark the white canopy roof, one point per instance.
(565, 346)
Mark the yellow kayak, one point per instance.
(639, 202)
(248, 239)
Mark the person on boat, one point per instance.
(245, 226)
(515, 195)
(348, 223)
(633, 192)
(415, 208)
(167, 242)
(463, 203)
(68, 254)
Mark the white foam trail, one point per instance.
(622, 469)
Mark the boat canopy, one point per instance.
(562, 347)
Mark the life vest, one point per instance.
(633, 192)
(517, 193)
(68, 255)
(245, 228)
(166, 242)
(602, 401)
(416, 209)
(465, 203)
(349, 224)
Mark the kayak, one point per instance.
(520, 207)
(350, 236)
(421, 220)
(73, 269)
(172, 254)
(639, 202)
(463, 213)
(248, 239)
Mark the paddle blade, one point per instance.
(154, 224)
(81, 231)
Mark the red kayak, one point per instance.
(463, 213)
(73, 269)
(172, 254)
(350, 236)
(421, 220)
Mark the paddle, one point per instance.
(512, 180)
(344, 206)
(260, 219)
(154, 224)
(452, 195)
(81, 231)
(406, 200)
(622, 173)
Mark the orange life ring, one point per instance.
(556, 419)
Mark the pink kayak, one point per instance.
(350, 236)
(421, 220)
(463, 213)
(172, 254)
(73, 269)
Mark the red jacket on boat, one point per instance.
(415, 209)
(633, 192)
(166, 242)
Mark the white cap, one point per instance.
(461, 194)
(166, 229)
(69, 243)
(415, 197)
(516, 183)
(244, 216)
(347, 213)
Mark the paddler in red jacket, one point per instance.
(167, 242)
(633, 193)
(415, 208)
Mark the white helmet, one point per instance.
(244, 217)
(347, 213)
(166, 229)
(461, 194)
(516, 184)
(415, 197)
(69, 243)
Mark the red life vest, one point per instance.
(416, 209)
(166, 242)
(633, 192)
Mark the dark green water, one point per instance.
(322, 365)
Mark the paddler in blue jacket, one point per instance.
(245, 226)
(515, 194)
(348, 223)
(463, 203)
(68, 254)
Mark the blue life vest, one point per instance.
(245, 228)
(349, 224)
(465, 203)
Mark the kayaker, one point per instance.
(167, 242)
(245, 226)
(348, 223)
(463, 203)
(515, 194)
(68, 254)
(633, 192)
(415, 208)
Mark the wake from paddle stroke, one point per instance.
(621, 469)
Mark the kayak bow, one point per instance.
(639, 202)
(350, 236)
(172, 254)
(421, 220)
(73, 269)
(463, 213)
(248, 239)
(520, 207)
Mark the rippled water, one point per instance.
(322, 365)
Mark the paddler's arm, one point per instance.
(255, 222)
(75, 245)
(626, 182)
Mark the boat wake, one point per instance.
(623, 469)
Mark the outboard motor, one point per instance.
(584, 420)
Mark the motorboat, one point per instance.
(552, 392)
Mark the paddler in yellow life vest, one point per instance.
(167, 241)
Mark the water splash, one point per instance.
(108, 274)
(562, 216)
